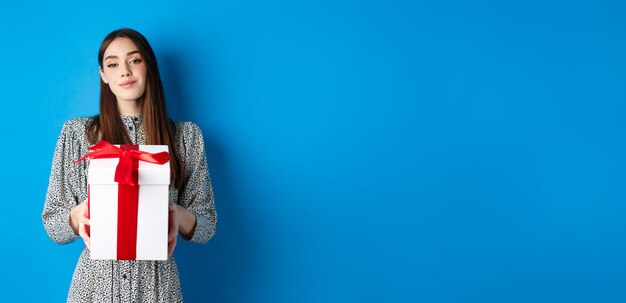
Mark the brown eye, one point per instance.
(112, 65)
(135, 61)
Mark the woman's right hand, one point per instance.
(79, 221)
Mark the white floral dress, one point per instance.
(125, 281)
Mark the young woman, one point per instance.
(132, 111)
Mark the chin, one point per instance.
(128, 97)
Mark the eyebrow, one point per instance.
(127, 54)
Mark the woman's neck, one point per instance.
(129, 108)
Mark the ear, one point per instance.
(102, 75)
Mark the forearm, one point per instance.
(57, 226)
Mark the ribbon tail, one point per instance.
(87, 155)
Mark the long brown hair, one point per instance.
(159, 129)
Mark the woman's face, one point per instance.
(124, 70)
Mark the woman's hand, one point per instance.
(174, 224)
(180, 220)
(79, 221)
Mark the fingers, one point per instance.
(172, 229)
(172, 208)
(173, 223)
(172, 232)
(84, 211)
(82, 231)
(170, 247)
(87, 243)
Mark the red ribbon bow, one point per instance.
(124, 169)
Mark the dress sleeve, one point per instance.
(197, 192)
(60, 198)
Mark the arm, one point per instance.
(196, 196)
(59, 198)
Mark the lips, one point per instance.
(127, 84)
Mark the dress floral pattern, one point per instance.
(125, 281)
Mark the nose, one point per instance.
(126, 71)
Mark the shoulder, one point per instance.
(73, 138)
(189, 138)
(188, 129)
(76, 125)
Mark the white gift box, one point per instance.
(152, 211)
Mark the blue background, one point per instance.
(360, 151)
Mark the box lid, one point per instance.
(102, 171)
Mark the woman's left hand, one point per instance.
(174, 224)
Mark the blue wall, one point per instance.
(360, 151)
